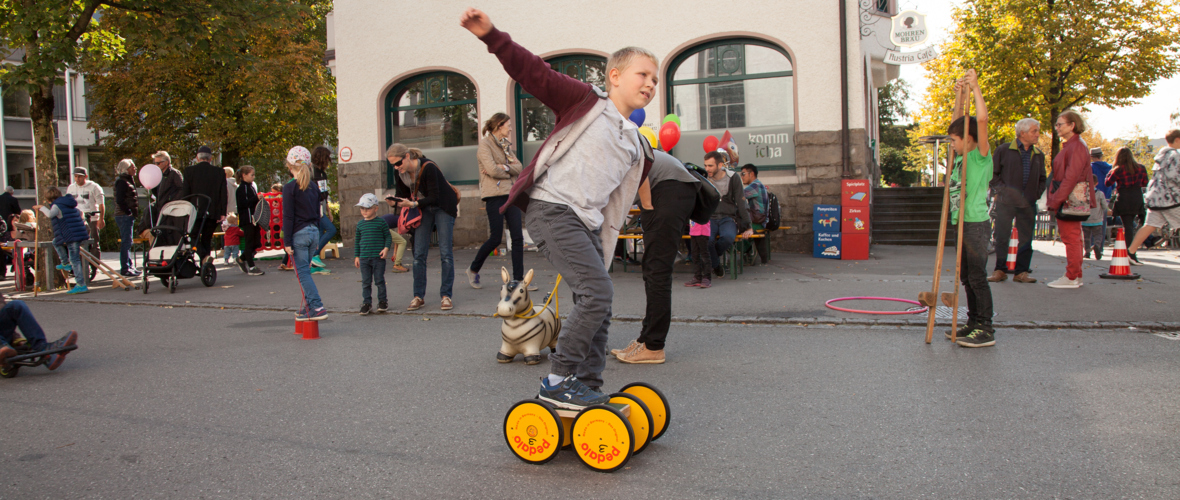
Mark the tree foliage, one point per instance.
(250, 94)
(1040, 57)
(897, 166)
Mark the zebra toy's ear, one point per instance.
(504, 274)
(528, 277)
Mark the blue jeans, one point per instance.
(433, 217)
(327, 231)
(372, 272)
(724, 231)
(126, 224)
(69, 253)
(304, 246)
(496, 222)
(15, 314)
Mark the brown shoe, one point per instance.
(997, 276)
(1025, 278)
(641, 355)
(416, 304)
(398, 268)
(446, 304)
(630, 347)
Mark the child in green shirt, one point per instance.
(971, 179)
(372, 243)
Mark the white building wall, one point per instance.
(379, 43)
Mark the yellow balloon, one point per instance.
(651, 136)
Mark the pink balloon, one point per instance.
(150, 176)
(669, 135)
(710, 144)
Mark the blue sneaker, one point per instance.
(65, 267)
(570, 394)
(316, 262)
(318, 314)
(321, 270)
(301, 315)
(78, 289)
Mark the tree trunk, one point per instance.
(1055, 145)
(45, 165)
(231, 158)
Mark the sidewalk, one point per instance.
(791, 289)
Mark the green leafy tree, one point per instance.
(897, 167)
(1040, 57)
(249, 94)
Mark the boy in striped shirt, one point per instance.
(372, 243)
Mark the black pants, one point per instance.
(496, 222)
(973, 274)
(205, 238)
(1025, 224)
(249, 242)
(663, 226)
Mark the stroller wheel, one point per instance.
(172, 285)
(145, 282)
(208, 273)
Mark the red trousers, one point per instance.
(1071, 237)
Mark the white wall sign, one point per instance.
(921, 56)
(909, 29)
(345, 154)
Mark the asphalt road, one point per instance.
(208, 403)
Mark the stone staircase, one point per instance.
(908, 216)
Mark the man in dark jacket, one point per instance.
(204, 178)
(8, 205)
(731, 215)
(1018, 179)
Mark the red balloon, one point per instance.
(710, 144)
(669, 136)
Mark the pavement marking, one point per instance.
(1168, 335)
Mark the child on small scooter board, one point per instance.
(577, 192)
(15, 314)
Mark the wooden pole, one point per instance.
(952, 301)
(930, 299)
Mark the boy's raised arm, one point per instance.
(980, 113)
(554, 89)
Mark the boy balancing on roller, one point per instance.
(576, 194)
(969, 138)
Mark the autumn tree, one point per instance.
(896, 165)
(249, 94)
(1040, 57)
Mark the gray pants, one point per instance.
(576, 253)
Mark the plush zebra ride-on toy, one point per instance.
(527, 328)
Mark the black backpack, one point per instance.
(773, 212)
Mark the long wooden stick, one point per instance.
(930, 299)
(954, 302)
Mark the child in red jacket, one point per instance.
(233, 238)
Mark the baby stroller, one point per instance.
(172, 255)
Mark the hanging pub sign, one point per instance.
(909, 30)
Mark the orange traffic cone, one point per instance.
(1012, 249)
(1120, 264)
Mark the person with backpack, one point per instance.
(758, 203)
(664, 211)
(437, 204)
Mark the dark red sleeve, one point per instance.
(558, 91)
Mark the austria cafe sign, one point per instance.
(909, 30)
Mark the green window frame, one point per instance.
(723, 64)
(451, 94)
(582, 67)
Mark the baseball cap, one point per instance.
(81, 171)
(205, 149)
(299, 154)
(369, 200)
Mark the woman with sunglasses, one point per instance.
(1071, 165)
(421, 185)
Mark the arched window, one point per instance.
(434, 112)
(745, 86)
(535, 121)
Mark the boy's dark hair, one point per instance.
(716, 156)
(751, 168)
(1172, 135)
(956, 128)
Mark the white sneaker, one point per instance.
(1064, 282)
(473, 278)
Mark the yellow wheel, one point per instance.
(640, 418)
(603, 438)
(657, 405)
(533, 431)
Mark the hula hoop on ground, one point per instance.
(907, 301)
